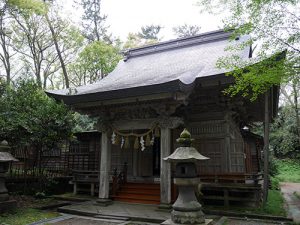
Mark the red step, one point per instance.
(139, 193)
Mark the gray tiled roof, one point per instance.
(182, 59)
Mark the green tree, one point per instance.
(30, 6)
(186, 30)
(95, 61)
(274, 27)
(284, 137)
(29, 117)
(93, 22)
(148, 35)
(150, 32)
(6, 53)
(84, 123)
(133, 41)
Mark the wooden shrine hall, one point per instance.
(147, 100)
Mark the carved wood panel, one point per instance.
(208, 128)
(215, 150)
(237, 157)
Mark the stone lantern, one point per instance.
(186, 209)
(5, 159)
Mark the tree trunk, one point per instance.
(5, 57)
(295, 90)
(61, 60)
(266, 149)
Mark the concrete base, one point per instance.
(8, 206)
(170, 222)
(104, 202)
(166, 207)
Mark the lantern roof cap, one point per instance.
(185, 154)
(7, 157)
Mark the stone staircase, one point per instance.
(146, 193)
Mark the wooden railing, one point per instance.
(119, 178)
(232, 178)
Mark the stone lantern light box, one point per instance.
(186, 209)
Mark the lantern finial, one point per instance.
(185, 138)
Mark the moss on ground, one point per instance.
(25, 216)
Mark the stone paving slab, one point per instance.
(293, 203)
(119, 209)
(85, 221)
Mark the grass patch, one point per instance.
(25, 216)
(288, 170)
(274, 206)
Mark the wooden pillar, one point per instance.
(165, 168)
(104, 168)
(266, 149)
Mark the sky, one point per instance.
(124, 16)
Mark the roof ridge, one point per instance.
(176, 43)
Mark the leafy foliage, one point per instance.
(148, 35)
(84, 123)
(284, 134)
(28, 6)
(253, 79)
(289, 170)
(95, 61)
(186, 30)
(29, 117)
(274, 27)
(93, 22)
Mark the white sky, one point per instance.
(124, 16)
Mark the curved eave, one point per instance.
(168, 87)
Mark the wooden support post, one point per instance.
(165, 169)
(104, 170)
(266, 149)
